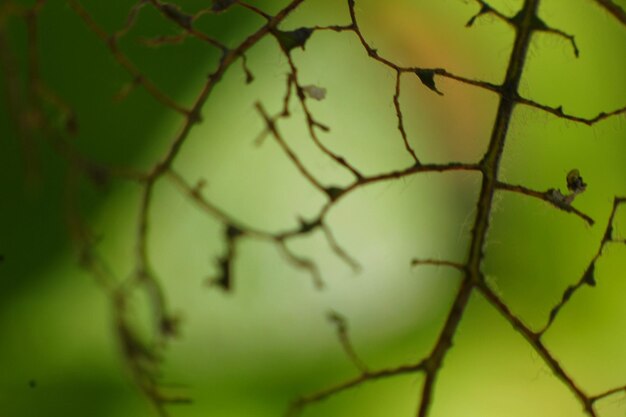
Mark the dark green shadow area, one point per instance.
(77, 66)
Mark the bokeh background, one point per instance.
(250, 352)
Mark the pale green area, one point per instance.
(250, 352)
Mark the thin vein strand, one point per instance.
(533, 339)
(558, 111)
(341, 326)
(228, 59)
(396, 103)
(587, 278)
(438, 262)
(120, 57)
(544, 196)
(615, 10)
(298, 405)
(271, 126)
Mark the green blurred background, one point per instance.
(250, 352)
